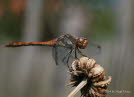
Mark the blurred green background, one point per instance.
(31, 71)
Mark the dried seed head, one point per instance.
(86, 63)
(91, 63)
(86, 68)
(97, 70)
(75, 65)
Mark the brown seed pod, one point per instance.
(87, 69)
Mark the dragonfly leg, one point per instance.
(81, 53)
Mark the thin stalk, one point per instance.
(78, 88)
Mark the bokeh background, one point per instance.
(31, 71)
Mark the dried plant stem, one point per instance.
(77, 89)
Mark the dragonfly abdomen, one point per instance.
(18, 44)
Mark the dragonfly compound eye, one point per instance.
(82, 42)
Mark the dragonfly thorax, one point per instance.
(82, 42)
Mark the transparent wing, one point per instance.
(61, 55)
(54, 54)
(63, 49)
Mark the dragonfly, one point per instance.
(67, 41)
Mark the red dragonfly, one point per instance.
(67, 41)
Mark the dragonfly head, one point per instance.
(82, 42)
